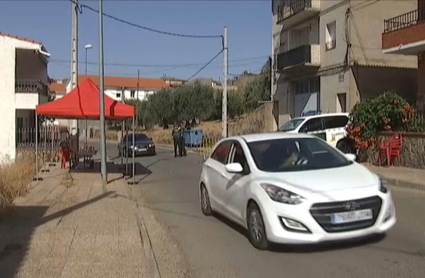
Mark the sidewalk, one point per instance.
(400, 176)
(64, 228)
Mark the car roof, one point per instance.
(270, 136)
(320, 115)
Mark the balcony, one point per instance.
(291, 12)
(405, 34)
(299, 59)
(29, 93)
(30, 86)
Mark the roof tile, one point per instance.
(19, 38)
(127, 82)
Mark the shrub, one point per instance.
(15, 177)
(387, 112)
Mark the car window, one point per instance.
(335, 122)
(312, 125)
(295, 154)
(221, 153)
(291, 125)
(239, 157)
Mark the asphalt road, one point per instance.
(216, 248)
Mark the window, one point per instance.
(341, 102)
(335, 122)
(118, 95)
(291, 125)
(331, 35)
(239, 157)
(312, 125)
(295, 154)
(132, 93)
(221, 153)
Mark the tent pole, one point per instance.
(126, 148)
(45, 146)
(52, 161)
(134, 148)
(122, 135)
(37, 178)
(134, 153)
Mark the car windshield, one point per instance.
(295, 154)
(138, 137)
(291, 125)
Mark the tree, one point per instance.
(259, 89)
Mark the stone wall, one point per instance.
(412, 151)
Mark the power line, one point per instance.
(206, 65)
(81, 6)
(157, 65)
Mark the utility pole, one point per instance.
(137, 103)
(74, 56)
(103, 169)
(225, 69)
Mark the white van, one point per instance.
(330, 127)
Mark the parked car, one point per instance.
(143, 145)
(293, 189)
(329, 127)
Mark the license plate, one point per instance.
(351, 216)
(142, 149)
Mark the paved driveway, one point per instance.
(215, 247)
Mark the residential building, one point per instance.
(242, 80)
(404, 34)
(119, 88)
(173, 82)
(23, 85)
(327, 55)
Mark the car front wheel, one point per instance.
(256, 230)
(205, 201)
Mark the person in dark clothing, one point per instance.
(176, 133)
(182, 142)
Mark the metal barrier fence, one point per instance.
(48, 136)
(48, 142)
(204, 149)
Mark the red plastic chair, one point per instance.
(391, 148)
(65, 156)
(395, 145)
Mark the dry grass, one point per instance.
(251, 123)
(15, 177)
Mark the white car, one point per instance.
(293, 189)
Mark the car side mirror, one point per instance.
(234, 168)
(351, 156)
(150, 138)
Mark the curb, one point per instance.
(404, 184)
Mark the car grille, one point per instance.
(321, 212)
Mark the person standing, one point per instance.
(182, 142)
(176, 140)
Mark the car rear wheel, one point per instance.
(345, 146)
(205, 201)
(256, 230)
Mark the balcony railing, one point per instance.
(297, 56)
(291, 7)
(30, 86)
(401, 21)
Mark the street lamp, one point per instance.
(87, 47)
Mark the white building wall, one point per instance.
(7, 91)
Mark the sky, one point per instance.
(128, 49)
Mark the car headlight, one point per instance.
(281, 195)
(151, 145)
(382, 185)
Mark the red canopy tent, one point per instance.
(83, 103)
